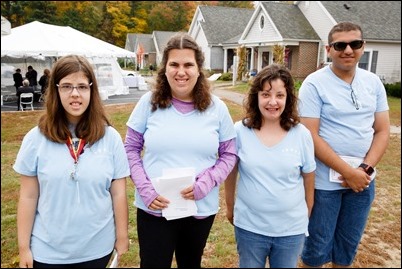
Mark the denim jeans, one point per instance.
(254, 249)
(336, 226)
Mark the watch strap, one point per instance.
(367, 168)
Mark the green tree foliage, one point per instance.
(44, 11)
(82, 16)
(171, 15)
(13, 11)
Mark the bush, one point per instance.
(226, 77)
(394, 89)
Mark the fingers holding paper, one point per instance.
(188, 193)
(159, 203)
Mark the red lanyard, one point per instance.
(75, 152)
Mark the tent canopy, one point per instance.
(45, 43)
(41, 39)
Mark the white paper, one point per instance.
(353, 162)
(115, 261)
(169, 185)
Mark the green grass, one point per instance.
(220, 251)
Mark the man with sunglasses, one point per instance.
(346, 110)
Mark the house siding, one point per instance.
(216, 59)
(201, 40)
(388, 62)
(320, 19)
(267, 34)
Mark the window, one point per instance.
(368, 61)
(262, 22)
(374, 61)
(364, 61)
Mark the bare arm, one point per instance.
(27, 205)
(381, 139)
(120, 209)
(308, 181)
(230, 190)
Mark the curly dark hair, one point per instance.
(162, 95)
(290, 116)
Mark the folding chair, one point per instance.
(41, 98)
(26, 99)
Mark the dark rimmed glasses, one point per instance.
(68, 88)
(341, 46)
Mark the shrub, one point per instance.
(394, 89)
(226, 77)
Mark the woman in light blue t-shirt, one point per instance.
(181, 126)
(275, 190)
(72, 211)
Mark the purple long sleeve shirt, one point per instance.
(205, 181)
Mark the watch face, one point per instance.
(369, 170)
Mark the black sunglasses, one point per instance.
(341, 46)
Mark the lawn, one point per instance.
(381, 245)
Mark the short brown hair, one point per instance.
(344, 27)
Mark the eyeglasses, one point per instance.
(354, 98)
(341, 46)
(68, 88)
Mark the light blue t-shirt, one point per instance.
(74, 221)
(175, 140)
(347, 130)
(270, 196)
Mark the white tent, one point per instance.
(5, 26)
(39, 44)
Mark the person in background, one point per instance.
(44, 79)
(200, 135)
(25, 88)
(151, 69)
(32, 76)
(346, 110)
(17, 77)
(275, 192)
(72, 210)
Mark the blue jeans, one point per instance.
(254, 249)
(336, 226)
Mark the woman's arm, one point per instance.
(27, 205)
(120, 209)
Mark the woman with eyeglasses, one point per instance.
(346, 110)
(72, 210)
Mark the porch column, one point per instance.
(252, 59)
(225, 60)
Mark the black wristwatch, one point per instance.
(367, 168)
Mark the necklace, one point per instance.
(75, 150)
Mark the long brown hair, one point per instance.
(54, 124)
(289, 116)
(162, 95)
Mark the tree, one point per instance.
(241, 67)
(279, 54)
